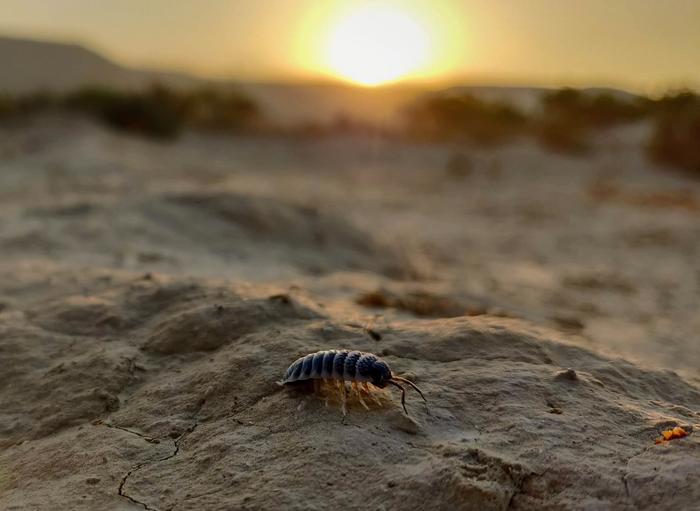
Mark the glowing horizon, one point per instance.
(634, 44)
(371, 43)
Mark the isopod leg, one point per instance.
(325, 391)
(371, 394)
(343, 396)
(356, 389)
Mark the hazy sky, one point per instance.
(645, 44)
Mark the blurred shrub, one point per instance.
(7, 107)
(563, 135)
(567, 120)
(570, 116)
(593, 110)
(162, 113)
(23, 105)
(157, 112)
(463, 117)
(220, 110)
(676, 136)
(673, 103)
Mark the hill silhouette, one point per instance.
(45, 66)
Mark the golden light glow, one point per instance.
(374, 44)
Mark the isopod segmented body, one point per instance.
(342, 366)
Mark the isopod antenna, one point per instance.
(394, 381)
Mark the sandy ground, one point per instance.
(152, 294)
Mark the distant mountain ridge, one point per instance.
(30, 66)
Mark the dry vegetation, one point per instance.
(677, 132)
(463, 117)
(158, 112)
(566, 121)
(569, 117)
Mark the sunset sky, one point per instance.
(641, 44)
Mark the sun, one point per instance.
(374, 45)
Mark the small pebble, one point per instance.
(405, 423)
(568, 374)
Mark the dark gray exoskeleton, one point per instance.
(346, 366)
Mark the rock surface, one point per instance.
(151, 296)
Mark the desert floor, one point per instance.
(152, 294)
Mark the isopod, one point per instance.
(342, 366)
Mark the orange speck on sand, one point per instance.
(671, 434)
